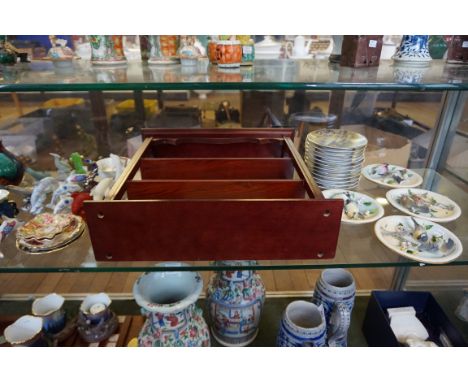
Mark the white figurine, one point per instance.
(40, 192)
(100, 190)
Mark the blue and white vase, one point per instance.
(335, 290)
(235, 300)
(413, 50)
(50, 309)
(303, 324)
(168, 300)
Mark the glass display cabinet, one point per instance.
(412, 117)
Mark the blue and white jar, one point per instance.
(335, 290)
(303, 324)
(235, 300)
(413, 50)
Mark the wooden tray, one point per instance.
(214, 194)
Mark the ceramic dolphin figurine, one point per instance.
(64, 205)
(64, 188)
(39, 194)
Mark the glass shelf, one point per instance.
(264, 75)
(357, 245)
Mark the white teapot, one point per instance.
(300, 48)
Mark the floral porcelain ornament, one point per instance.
(60, 54)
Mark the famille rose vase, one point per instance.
(168, 300)
(107, 50)
(235, 299)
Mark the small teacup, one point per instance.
(25, 331)
(95, 308)
(303, 324)
(50, 309)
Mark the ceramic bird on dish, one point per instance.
(64, 205)
(39, 194)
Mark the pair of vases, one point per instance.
(325, 320)
(235, 299)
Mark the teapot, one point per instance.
(300, 48)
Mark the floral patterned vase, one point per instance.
(168, 301)
(107, 50)
(413, 50)
(235, 300)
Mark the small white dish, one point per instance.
(389, 178)
(361, 208)
(396, 233)
(425, 204)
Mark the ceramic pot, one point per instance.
(11, 168)
(50, 309)
(303, 324)
(335, 290)
(235, 300)
(228, 54)
(96, 321)
(413, 50)
(107, 50)
(163, 49)
(25, 331)
(437, 47)
(168, 301)
(458, 50)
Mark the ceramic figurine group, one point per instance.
(50, 324)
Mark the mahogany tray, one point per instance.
(215, 194)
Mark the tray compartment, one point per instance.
(217, 168)
(215, 189)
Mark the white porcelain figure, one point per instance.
(50, 309)
(405, 325)
(335, 290)
(413, 50)
(168, 300)
(303, 324)
(25, 331)
(39, 195)
(235, 300)
(300, 48)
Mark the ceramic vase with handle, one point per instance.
(335, 290)
(413, 50)
(303, 324)
(235, 300)
(168, 300)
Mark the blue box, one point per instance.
(376, 326)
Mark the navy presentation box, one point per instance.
(377, 330)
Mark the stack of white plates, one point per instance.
(334, 157)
